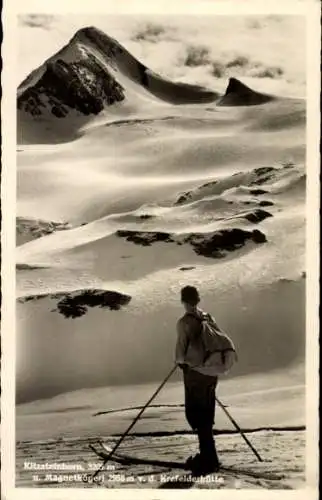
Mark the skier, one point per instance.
(200, 378)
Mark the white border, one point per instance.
(8, 193)
(8, 243)
(312, 245)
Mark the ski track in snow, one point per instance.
(283, 466)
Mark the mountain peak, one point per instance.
(88, 31)
(89, 74)
(235, 85)
(239, 94)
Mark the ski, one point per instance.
(123, 459)
(104, 450)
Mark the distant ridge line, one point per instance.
(291, 428)
(169, 405)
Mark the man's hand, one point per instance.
(183, 366)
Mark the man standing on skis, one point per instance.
(200, 377)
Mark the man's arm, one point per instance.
(182, 343)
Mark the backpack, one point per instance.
(218, 353)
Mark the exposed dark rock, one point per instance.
(146, 216)
(188, 194)
(30, 229)
(256, 177)
(265, 203)
(262, 175)
(264, 170)
(258, 192)
(108, 45)
(183, 198)
(238, 94)
(144, 238)
(208, 184)
(186, 268)
(212, 245)
(288, 164)
(28, 267)
(84, 85)
(257, 215)
(258, 236)
(75, 304)
(216, 244)
(59, 112)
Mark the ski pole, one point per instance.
(239, 430)
(135, 420)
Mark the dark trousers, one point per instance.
(200, 410)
